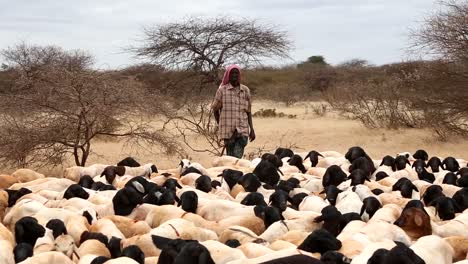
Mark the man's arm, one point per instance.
(216, 115)
(249, 117)
(217, 105)
(252, 132)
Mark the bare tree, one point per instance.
(445, 33)
(206, 45)
(444, 82)
(201, 48)
(59, 106)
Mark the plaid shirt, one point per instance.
(234, 103)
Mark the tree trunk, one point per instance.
(85, 151)
(76, 156)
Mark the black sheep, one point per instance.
(57, 226)
(129, 162)
(111, 172)
(297, 161)
(297, 199)
(370, 205)
(358, 176)
(135, 253)
(267, 172)
(405, 186)
(445, 207)
(86, 182)
(75, 190)
(388, 161)
(461, 198)
(450, 178)
(189, 201)
(401, 161)
(380, 175)
(125, 200)
(250, 182)
(203, 183)
(283, 153)
(331, 218)
(363, 164)
(450, 164)
(419, 165)
(435, 163)
(15, 195)
(463, 181)
(279, 200)
(254, 198)
(268, 214)
(432, 192)
(331, 193)
(421, 154)
(28, 230)
(273, 159)
(320, 241)
(334, 175)
(355, 152)
(313, 156)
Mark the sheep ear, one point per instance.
(415, 189)
(367, 179)
(418, 220)
(318, 219)
(363, 208)
(138, 186)
(178, 185)
(160, 241)
(322, 192)
(320, 155)
(177, 199)
(308, 156)
(407, 161)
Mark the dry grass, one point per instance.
(307, 132)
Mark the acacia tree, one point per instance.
(58, 105)
(207, 45)
(202, 48)
(444, 83)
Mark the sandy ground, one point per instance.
(307, 132)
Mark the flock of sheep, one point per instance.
(286, 207)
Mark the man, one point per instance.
(232, 111)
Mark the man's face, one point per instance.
(234, 76)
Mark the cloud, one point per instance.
(338, 29)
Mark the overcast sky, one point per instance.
(376, 30)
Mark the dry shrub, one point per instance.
(320, 109)
(377, 101)
(268, 113)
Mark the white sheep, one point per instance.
(313, 203)
(433, 250)
(27, 175)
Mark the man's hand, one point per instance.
(252, 135)
(216, 116)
